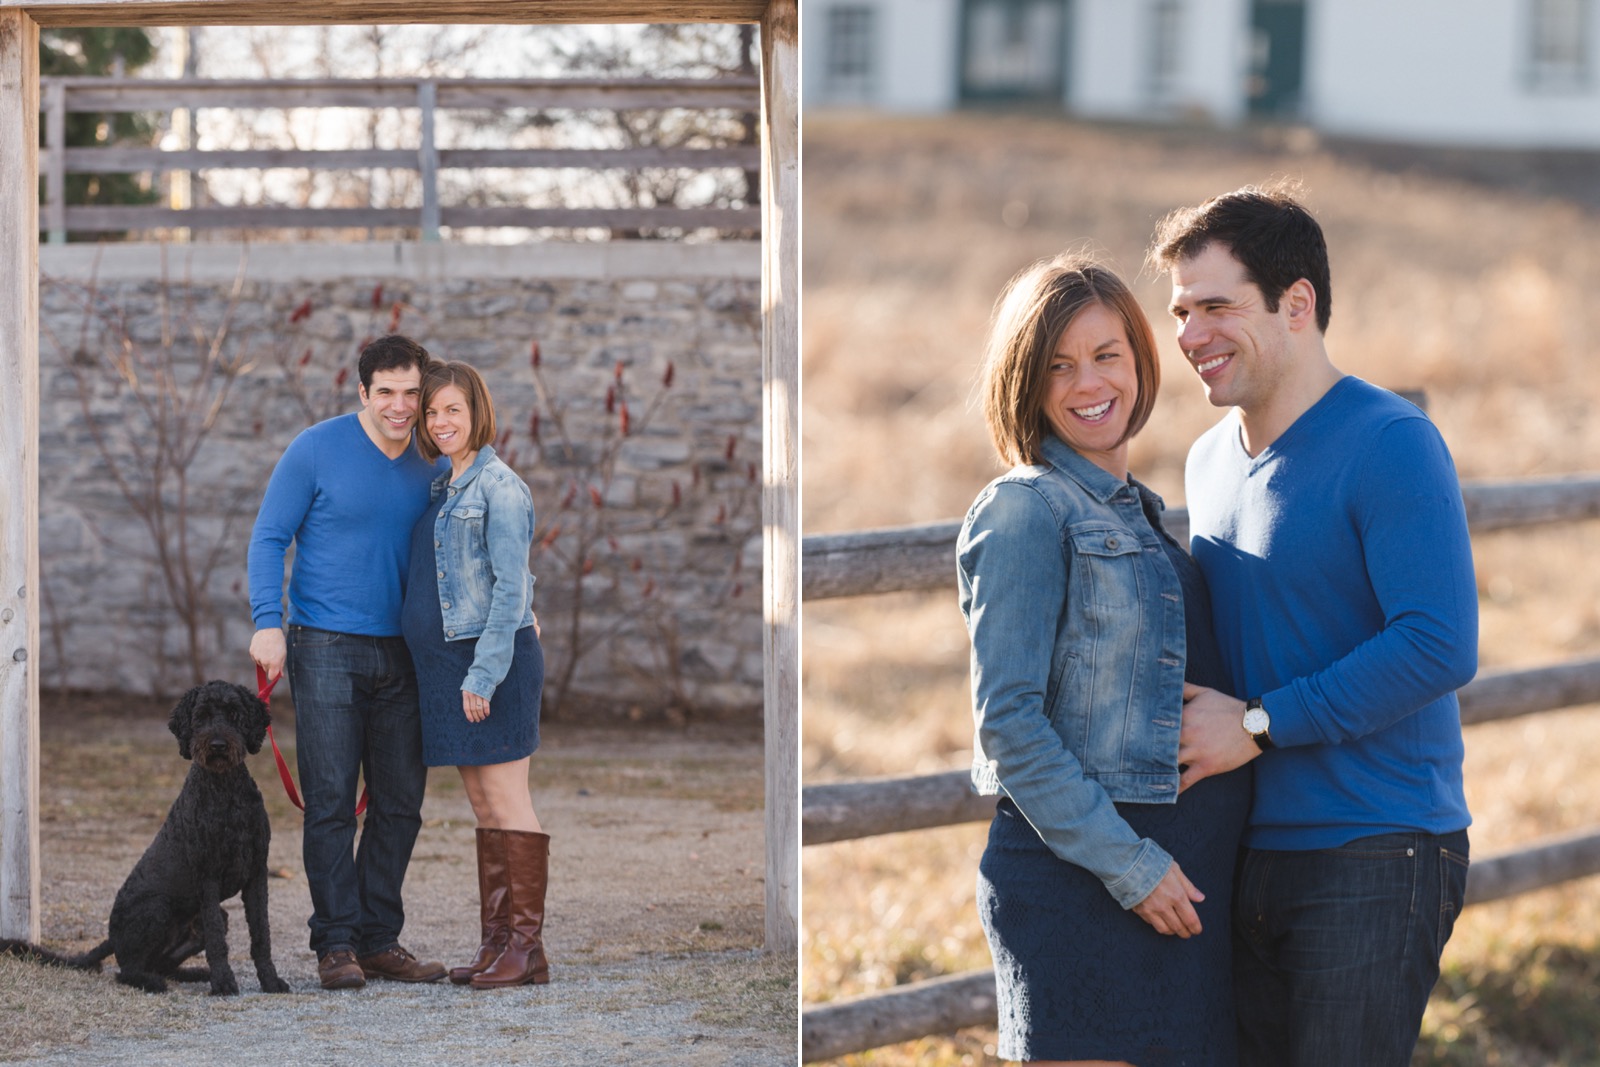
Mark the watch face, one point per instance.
(1256, 721)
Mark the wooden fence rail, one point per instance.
(923, 558)
(920, 558)
(61, 96)
(846, 811)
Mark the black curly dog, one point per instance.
(213, 845)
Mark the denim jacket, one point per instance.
(1076, 621)
(481, 540)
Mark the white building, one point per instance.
(1513, 73)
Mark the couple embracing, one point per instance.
(1232, 826)
(411, 643)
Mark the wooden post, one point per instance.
(428, 161)
(55, 182)
(780, 372)
(19, 476)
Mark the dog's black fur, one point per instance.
(213, 845)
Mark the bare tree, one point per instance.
(149, 408)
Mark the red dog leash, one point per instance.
(264, 691)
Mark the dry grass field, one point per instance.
(1469, 275)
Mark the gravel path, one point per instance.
(650, 1011)
(653, 921)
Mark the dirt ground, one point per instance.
(653, 925)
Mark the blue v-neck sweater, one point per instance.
(348, 509)
(1343, 595)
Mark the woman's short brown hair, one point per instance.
(1034, 310)
(464, 377)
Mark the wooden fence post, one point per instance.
(428, 161)
(19, 475)
(780, 358)
(55, 181)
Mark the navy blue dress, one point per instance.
(1079, 978)
(448, 740)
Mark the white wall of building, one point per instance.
(1429, 71)
(1444, 72)
(1111, 68)
(914, 60)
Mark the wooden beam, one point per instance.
(124, 159)
(332, 12)
(19, 476)
(1508, 694)
(1500, 505)
(428, 160)
(1545, 862)
(55, 182)
(150, 94)
(609, 217)
(935, 1006)
(84, 218)
(890, 560)
(847, 811)
(917, 558)
(780, 444)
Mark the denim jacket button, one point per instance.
(441, 574)
(1111, 542)
(447, 605)
(450, 633)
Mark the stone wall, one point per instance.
(626, 379)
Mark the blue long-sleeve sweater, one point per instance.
(349, 510)
(1343, 594)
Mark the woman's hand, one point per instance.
(1168, 908)
(475, 706)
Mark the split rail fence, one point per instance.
(922, 558)
(63, 95)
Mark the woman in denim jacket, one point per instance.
(1104, 894)
(468, 621)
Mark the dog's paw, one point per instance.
(275, 985)
(224, 985)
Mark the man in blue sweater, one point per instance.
(1327, 517)
(347, 492)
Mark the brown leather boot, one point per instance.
(493, 903)
(527, 868)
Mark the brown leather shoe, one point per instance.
(398, 965)
(339, 970)
(528, 870)
(493, 904)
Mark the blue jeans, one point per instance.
(356, 710)
(1336, 950)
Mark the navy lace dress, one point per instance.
(448, 740)
(1079, 978)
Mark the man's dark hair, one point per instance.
(1272, 236)
(393, 352)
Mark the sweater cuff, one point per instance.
(269, 620)
(1291, 722)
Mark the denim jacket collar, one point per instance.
(485, 454)
(1098, 482)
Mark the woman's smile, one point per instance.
(448, 421)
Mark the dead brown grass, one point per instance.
(1473, 290)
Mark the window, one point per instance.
(850, 51)
(1558, 54)
(1014, 50)
(1165, 30)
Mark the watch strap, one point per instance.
(1263, 737)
